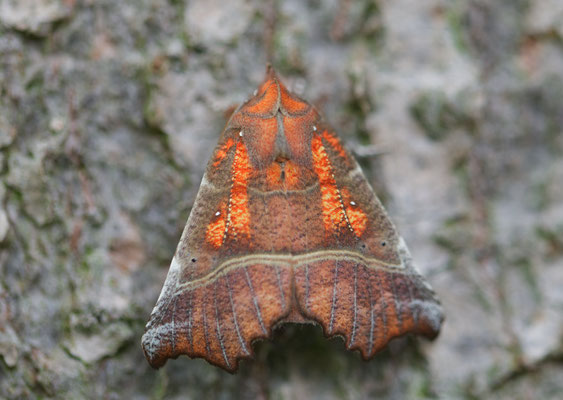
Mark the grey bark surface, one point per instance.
(109, 111)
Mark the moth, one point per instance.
(285, 229)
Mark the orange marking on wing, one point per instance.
(264, 144)
(335, 144)
(239, 216)
(273, 175)
(333, 210)
(292, 175)
(235, 215)
(284, 175)
(292, 104)
(298, 132)
(266, 101)
(356, 217)
(216, 229)
(223, 151)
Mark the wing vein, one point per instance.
(397, 303)
(255, 301)
(190, 338)
(333, 305)
(354, 322)
(207, 347)
(383, 307)
(229, 290)
(219, 334)
(278, 277)
(307, 287)
(372, 320)
(174, 325)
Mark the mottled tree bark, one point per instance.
(109, 111)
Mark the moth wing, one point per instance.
(375, 294)
(209, 307)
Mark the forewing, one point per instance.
(216, 302)
(366, 290)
